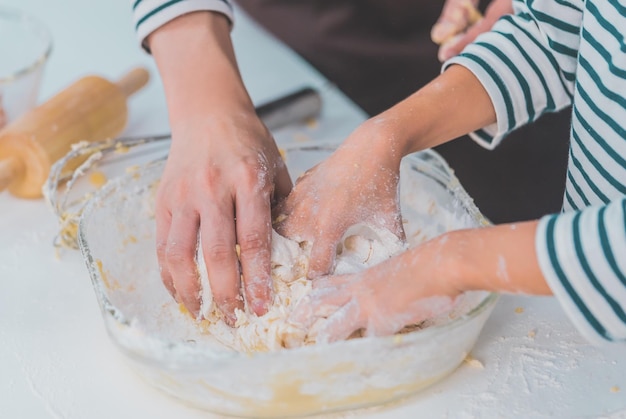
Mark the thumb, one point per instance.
(454, 46)
(341, 324)
(495, 10)
(455, 17)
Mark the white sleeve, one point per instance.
(527, 64)
(149, 15)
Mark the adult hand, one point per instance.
(357, 183)
(220, 179)
(461, 22)
(222, 174)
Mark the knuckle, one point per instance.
(252, 180)
(170, 188)
(254, 173)
(212, 176)
(179, 254)
(219, 252)
(226, 299)
(161, 250)
(258, 284)
(254, 241)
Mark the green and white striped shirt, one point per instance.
(148, 15)
(550, 54)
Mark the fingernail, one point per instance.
(259, 295)
(230, 319)
(260, 307)
(448, 50)
(227, 308)
(442, 56)
(314, 274)
(436, 34)
(442, 31)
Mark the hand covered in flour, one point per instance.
(422, 282)
(356, 184)
(415, 285)
(222, 174)
(461, 22)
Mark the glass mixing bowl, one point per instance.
(170, 350)
(25, 45)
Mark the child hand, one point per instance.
(350, 187)
(407, 289)
(461, 22)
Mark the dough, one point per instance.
(361, 247)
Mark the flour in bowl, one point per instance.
(362, 246)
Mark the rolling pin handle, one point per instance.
(9, 169)
(134, 80)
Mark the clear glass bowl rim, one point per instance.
(432, 165)
(19, 16)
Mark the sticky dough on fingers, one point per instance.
(361, 247)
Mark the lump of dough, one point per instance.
(362, 246)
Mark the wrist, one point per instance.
(458, 271)
(498, 259)
(452, 105)
(466, 274)
(195, 57)
(383, 137)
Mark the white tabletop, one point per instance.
(56, 360)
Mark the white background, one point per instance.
(56, 360)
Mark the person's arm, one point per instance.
(527, 63)
(423, 282)
(365, 167)
(509, 77)
(222, 173)
(576, 256)
(581, 254)
(149, 15)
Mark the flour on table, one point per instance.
(362, 246)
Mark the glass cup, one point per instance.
(25, 44)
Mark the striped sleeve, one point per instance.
(148, 15)
(581, 254)
(527, 64)
(546, 56)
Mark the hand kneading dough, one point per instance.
(361, 247)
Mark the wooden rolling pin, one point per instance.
(91, 109)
